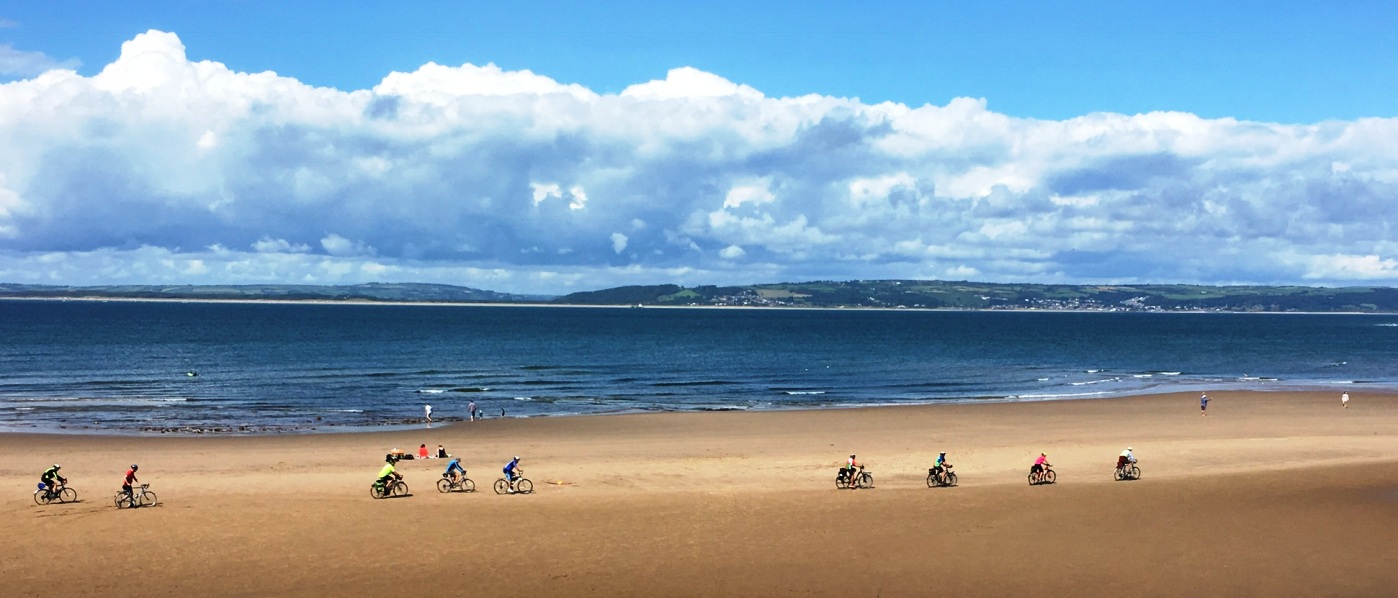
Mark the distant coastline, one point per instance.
(857, 294)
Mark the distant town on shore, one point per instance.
(882, 294)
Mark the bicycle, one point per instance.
(136, 498)
(522, 486)
(60, 492)
(1126, 472)
(396, 487)
(860, 479)
(946, 480)
(450, 484)
(1044, 476)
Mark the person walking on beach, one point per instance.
(428, 409)
(1344, 400)
(472, 408)
(1203, 404)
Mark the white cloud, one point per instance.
(270, 245)
(22, 63)
(512, 180)
(341, 247)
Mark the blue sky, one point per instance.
(1290, 62)
(550, 147)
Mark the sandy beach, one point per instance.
(1271, 494)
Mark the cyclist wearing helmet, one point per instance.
(939, 466)
(388, 472)
(512, 473)
(1124, 458)
(847, 472)
(46, 480)
(128, 481)
(453, 467)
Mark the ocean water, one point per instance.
(124, 366)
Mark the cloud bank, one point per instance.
(161, 169)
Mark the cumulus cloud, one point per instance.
(511, 180)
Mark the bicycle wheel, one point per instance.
(121, 501)
(1050, 477)
(951, 478)
(1119, 475)
(68, 495)
(931, 480)
(146, 499)
(444, 485)
(1135, 472)
(841, 482)
(42, 498)
(524, 486)
(467, 485)
(501, 486)
(400, 488)
(1031, 479)
(866, 480)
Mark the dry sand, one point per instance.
(1271, 494)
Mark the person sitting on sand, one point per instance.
(128, 481)
(422, 451)
(441, 452)
(47, 479)
(512, 473)
(940, 465)
(397, 454)
(1040, 464)
(453, 467)
(1124, 458)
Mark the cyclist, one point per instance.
(1124, 458)
(1041, 464)
(512, 473)
(128, 481)
(847, 472)
(46, 481)
(453, 467)
(939, 467)
(388, 472)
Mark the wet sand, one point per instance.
(1271, 494)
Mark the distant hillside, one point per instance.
(974, 295)
(360, 292)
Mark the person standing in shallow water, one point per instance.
(428, 409)
(1203, 404)
(472, 409)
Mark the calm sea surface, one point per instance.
(125, 366)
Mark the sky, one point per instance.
(548, 147)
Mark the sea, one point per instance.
(161, 367)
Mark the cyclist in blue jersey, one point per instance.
(512, 472)
(453, 468)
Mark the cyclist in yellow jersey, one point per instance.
(388, 472)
